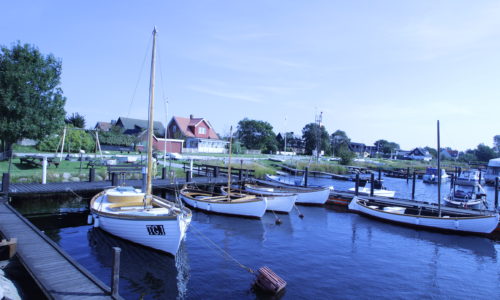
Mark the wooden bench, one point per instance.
(36, 161)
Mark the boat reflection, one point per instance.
(148, 273)
(480, 247)
(210, 224)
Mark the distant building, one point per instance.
(198, 134)
(161, 144)
(419, 154)
(137, 126)
(103, 126)
(449, 154)
(363, 150)
(496, 143)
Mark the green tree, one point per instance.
(255, 134)
(31, 101)
(386, 147)
(432, 151)
(315, 135)
(76, 120)
(484, 153)
(338, 139)
(76, 139)
(345, 154)
(116, 137)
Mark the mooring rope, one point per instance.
(222, 250)
(70, 190)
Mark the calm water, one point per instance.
(327, 255)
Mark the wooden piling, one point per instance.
(164, 173)
(8, 248)
(116, 272)
(413, 185)
(91, 175)
(114, 179)
(188, 176)
(5, 182)
(372, 184)
(356, 187)
(306, 175)
(496, 193)
(407, 174)
(379, 174)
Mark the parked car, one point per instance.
(173, 156)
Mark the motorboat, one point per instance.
(431, 175)
(378, 190)
(305, 195)
(492, 171)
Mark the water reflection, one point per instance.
(149, 273)
(480, 247)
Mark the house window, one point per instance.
(202, 130)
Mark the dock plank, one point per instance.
(57, 274)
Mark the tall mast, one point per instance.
(229, 165)
(439, 170)
(151, 117)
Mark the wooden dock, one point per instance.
(82, 187)
(56, 273)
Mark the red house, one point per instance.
(198, 133)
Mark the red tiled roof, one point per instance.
(186, 125)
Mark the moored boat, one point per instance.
(139, 216)
(472, 222)
(431, 175)
(378, 190)
(427, 215)
(305, 195)
(279, 202)
(233, 204)
(466, 191)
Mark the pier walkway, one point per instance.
(56, 273)
(81, 187)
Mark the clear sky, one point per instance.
(376, 69)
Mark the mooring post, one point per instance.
(356, 185)
(44, 170)
(216, 171)
(306, 175)
(496, 193)
(115, 285)
(5, 182)
(188, 176)
(413, 185)
(91, 174)
(480, 174)
(379, 174)
(144, 179)
(407, 174)
(114, 179)
(372, 184)
(164, 173)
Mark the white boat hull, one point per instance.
(304, 195)
(155, 228)
(255, 208)
(474, 224)
(474, 204)
(376, 192)
(163, 235)
(276, 201)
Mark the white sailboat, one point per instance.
(278, 202)
(230, 203)
(305, 195)
(139, 216)
(426, 215)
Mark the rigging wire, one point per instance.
(140, 76)
(227, 255)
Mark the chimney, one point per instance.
(190, 117)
